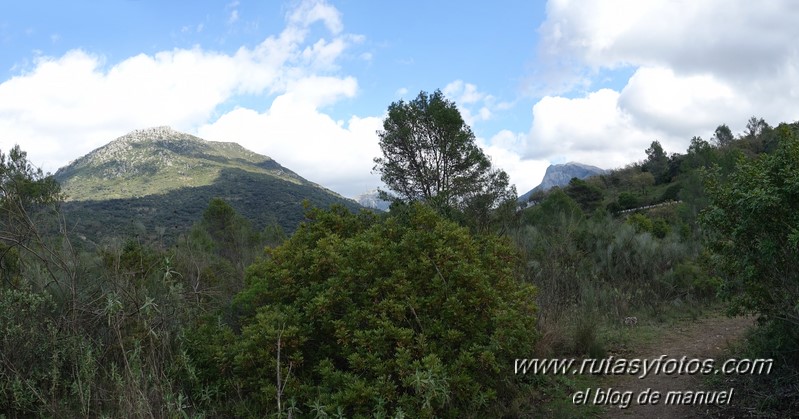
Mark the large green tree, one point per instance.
(657, 162)
(363, 315)
(753, 225)
(29, 215)
(723, 136)
(24, 193)
(430, 155)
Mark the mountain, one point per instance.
(561, 174)
(161, 180)
(371, 199)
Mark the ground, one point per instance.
(704, 338)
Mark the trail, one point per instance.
(703, 339)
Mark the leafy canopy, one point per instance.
(407, 313)
(753, 221)
(430, 155)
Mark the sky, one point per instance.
(308, 82)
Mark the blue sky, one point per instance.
(307, 82)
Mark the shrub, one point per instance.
(627, 200)
(364, 316)
(660, 228)
(641, 223)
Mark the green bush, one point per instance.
(409, 313)
(627, 200)
(660, 228)
(27, 347)
(641, 223)
(753, 229)
(671, 193)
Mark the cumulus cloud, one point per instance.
(592, 129)
(734, 40)
(311, 11)
(298, 136)
(63, 107)
(695, 66)
(525, 173)
(473, 104)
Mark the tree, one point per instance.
(753, 221)
(430, 155)
(588, 196)
(404, 313)
(755, 126)
(723, 136)
(657, 162)
(232, 234)
(700, 154)
(30, 210)
(25, 192)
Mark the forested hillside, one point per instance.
(156, 182)
(418, 312)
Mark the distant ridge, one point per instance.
(162, 178)
(371, 199)
(561, 174)
(156, 160)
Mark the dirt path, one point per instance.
(703, 339)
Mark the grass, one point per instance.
(588, 333)
(773, 395)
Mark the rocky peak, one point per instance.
(151, 134)
(561, 174)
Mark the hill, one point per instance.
(561, 174)
(371, 199)
(160, 180)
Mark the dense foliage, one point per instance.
(414, 313)
(430, 155)
(260, 198)
(363, 315)
(754, 220)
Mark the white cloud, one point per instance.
(402, 91)
(729, 39)
(311, 11)
(233, 18)
(592, 130)
(234, 12)
(464, 93)
(64, 107)
(298, 136)
(695, 66)
(475, 106)
(321, 91)
(685, 105)
(503, 148)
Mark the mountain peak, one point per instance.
(561, 174)
(163, 177)
(156, 160)
(371, 199)
(163, 131)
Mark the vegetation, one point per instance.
(158, 160)
(430, 155)
(157, 182)
(419, 312)
(362, 315)
(753, 218)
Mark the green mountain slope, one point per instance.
(160, 180)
